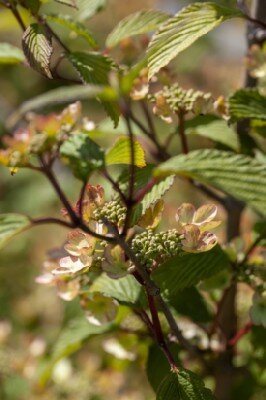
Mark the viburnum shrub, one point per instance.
(116, 259)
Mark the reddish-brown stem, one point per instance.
(51, 220)
(159, 333)
(51, 177)
(16, 14)
(142, 192)
(242, 332)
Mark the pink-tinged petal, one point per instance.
(68, 290)
(80, 243)
(185, 214)
(205, 214)
(191, 237)
(207, 241)
(69, 266)
(46, 279)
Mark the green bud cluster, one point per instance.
(187, 100)
(151, 247)
(112, 211)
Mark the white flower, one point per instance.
(193, 224)
(71, 265)
(202, 217)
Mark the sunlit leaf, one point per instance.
(247, 103)
(182, 30)
(37, 47)
(11, 225)
(140, 22)
(95, 68)
(83, 155)
(10, 54)
(155, 194)
(120, 153)
(183, 385)
(218, 131)
(88, 8)
(238, 175)
(77, 27)
(126, 290)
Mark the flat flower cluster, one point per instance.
(84, 258)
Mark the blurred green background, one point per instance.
(30, 315)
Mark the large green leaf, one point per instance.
(218, 131)
(183, 29)
(10, 54)
(158, 367)
(77, 27)
(37, 47)
(140, 22)
(247, 103)
(120, 153)
(188, 269)
(94, 68)
(240, 176)
(191, 303)
(61, 95)
(155, 194)
(11, 225)
(183, 385)
(83, 155)
(125, 290)
(70, 340)
(88, 8)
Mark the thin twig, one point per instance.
(242, 332)
(115, 186)
(50, 220)
(16, 14)
(159, 333)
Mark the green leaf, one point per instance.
(88, 8)
(69, 3)
(156, 193)
(11, 225)
(68, 22)
(182, 30)
(83, 155)
(94, 68)
(135, 24)
(70, 340)
(37, 47)
(218, 131)
(10, 54)
(120, 153)
(183, 385)
(157, 367)
(61, 95)
(126, 290)
(191, 303)
(188, 269)
(240, 176)
(247, 103)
